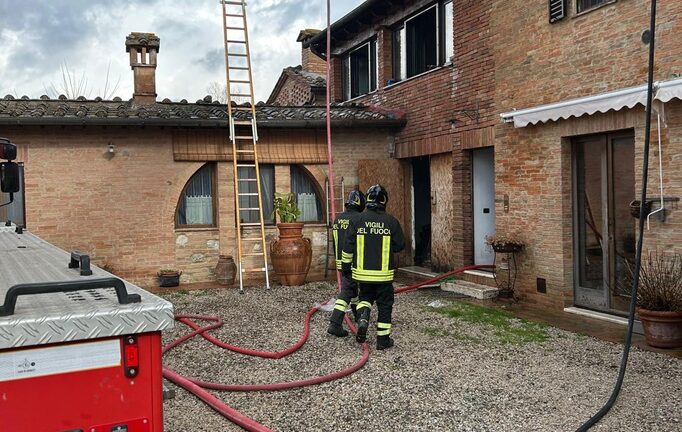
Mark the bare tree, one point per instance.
(72, 85)
(217, 91)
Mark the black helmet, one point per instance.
(377, 197)
(356, 200)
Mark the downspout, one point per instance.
(660, 170)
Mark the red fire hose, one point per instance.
(197, 387)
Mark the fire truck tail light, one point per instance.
(131, 357)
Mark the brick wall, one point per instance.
(440, 106)
(294, 92)
(121, 209)
(537, 63)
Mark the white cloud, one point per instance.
(37, 37)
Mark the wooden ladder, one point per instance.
(244, 139)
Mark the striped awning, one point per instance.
(664, 91)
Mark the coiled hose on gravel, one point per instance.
(199, 388)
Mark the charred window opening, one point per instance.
(360, 71)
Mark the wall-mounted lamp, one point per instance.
(110, 149)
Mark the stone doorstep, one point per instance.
(481, 292)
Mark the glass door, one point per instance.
(604, 186)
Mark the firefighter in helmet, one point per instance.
(373, 237)
(349, 290)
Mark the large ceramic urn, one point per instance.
(291, 254)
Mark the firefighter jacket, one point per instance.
(340, 232)
(372, 239)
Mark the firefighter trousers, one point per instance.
(349, 291)
(383, 295)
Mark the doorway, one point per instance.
(604, 230)
(483, 203)
(421, 186)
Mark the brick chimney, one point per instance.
(143, 48)
(309, 61)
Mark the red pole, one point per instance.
(329, 124)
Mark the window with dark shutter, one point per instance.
(557, 10)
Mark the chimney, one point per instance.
(143, 48)
(309, 61)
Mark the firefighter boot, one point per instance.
(336, 324)
(363, 324)
(354, 309)
(384, 342)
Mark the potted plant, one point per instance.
(505, 243)
(291, 253)
(659, 297)
(169, 277)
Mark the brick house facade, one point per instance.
(109, 177)
(554, 166)
(547, 177)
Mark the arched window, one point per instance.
(196, 207)
(307, 194)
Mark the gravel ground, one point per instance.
(444, 374)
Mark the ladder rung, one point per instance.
(234, 3)
(247, 180)
(258, 239)
(234, 16)
(240, 81)
(235, 28)
(238, 67)
(246, 165)
(240, 95)
(246, 151)
(254, 270)
(241, 108)
(253, 253)
(243, 122)
(237, 54)
(248, 194)
(249, 209)
(243, 137)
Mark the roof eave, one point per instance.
(199, 123)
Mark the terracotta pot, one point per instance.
(225, 270)
(291, 254)
(662, 329)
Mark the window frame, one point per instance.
(214, 205)
(319, 193)
(399, 38)
(372, 69)
(578, 4)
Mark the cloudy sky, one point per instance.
(38, 38)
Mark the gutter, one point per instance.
(220, 124)
(321, 37)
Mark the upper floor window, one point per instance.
(267, 189)
(423, 41)
(307, 194)
(584, 5)
(360, 70)
(197, 202)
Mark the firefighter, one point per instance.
(373, 237)
(349, 291)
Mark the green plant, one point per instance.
(286, 208)
(660, 281)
